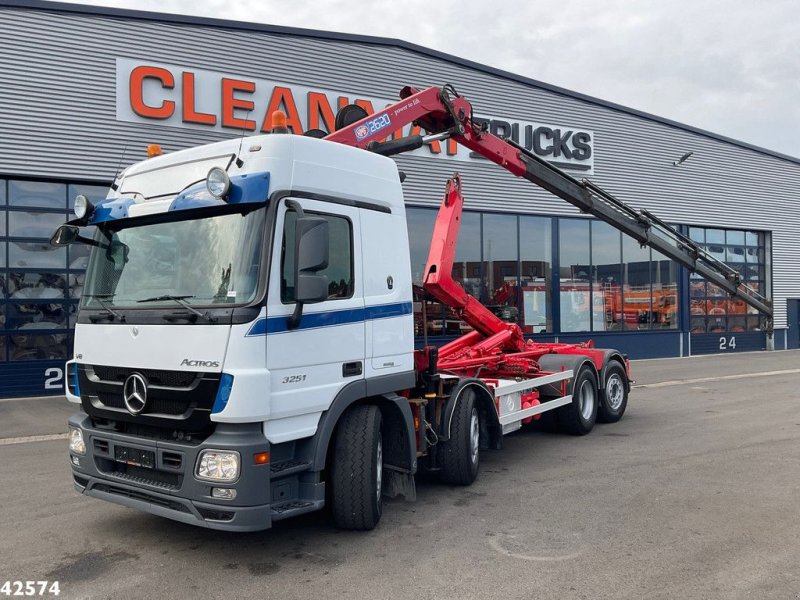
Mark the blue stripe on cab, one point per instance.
(270, 325)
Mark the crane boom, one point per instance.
(445, 114)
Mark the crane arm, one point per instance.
(443, 113)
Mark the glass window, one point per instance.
(34, 317)
(467, 263)
(95, 193)
(37, 347)
(37, 194)
(606, 277)
(711, 309)
(2, 191)
(734, 238)
(698, 234)
(3, 356)
(39, 225)
(420, 229)
(637, 295)
(664, 278)
(536, 251)
(36, 255)
(30, 285)
(206, 261)
(500, 266)
(574, 274)
(428, 312)
(340, 260)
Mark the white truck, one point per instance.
(244, 350)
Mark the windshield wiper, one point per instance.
(106, 307)
(182, 301)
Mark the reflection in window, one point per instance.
(38, 225)
(428, 313)
(37, 194)
(575, 275)
(500, 266)
(607, 310)
(466, 268)
(27, 285)
(3, 356)
(535, 276)
(37, 347)
(2, 191)
(664, 278)
(36, 255)
(641, 307)
(33, 317)
(711, 309)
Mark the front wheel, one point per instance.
(578, 417)
(460, 455)
(614, 399)
(357, 469)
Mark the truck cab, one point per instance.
(237, 294)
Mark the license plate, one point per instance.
(135, 457)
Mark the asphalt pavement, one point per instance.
(694, 494)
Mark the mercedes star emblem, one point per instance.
(135, 393)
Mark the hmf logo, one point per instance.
(194, 98)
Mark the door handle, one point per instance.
(352, 369)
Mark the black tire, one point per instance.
(460, 455)
(578, 417)
(357, 469)
(614, 395)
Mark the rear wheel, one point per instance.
(578, 417)
(357, 469)
(614, 398)
(460, 455)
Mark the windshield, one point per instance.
(209, 261)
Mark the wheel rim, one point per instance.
(586, 399)
(474, 436)
(615, 393)
(379, 470)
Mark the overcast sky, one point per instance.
(727, 66)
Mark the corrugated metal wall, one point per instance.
(57, 119)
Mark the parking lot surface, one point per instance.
(694, 494)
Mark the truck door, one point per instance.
(309, 364)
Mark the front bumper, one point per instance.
(168, 487)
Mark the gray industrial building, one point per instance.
(84, 91)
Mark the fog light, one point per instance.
(218, 465)
(223, 493)
(218, 182)
(75, 461)
(76, 444)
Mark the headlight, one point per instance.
(76, 444)
(218, 182)
(218, 465)
(83, 207)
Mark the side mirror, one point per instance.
(312, 250)
(65, 235)
(312, 253)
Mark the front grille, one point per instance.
(154, 376)
(177, 401)
(160, 406)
